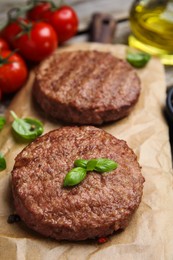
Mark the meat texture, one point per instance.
(86, 87)
(98, 206)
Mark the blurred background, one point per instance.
(118, 9)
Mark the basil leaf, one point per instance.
(91, 164)
(27, 128)
(105, 165)
(2, 122)
(74, 177)
(138, 60)
(81, 163)
(2, 162)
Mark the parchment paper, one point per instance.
(150, 233)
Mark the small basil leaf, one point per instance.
(91, 164)
(138, 60)
(2, 163)
(27, 128)
(74, 177)
(36, 127)
(105, 165)
(81, 163)
(2, 122)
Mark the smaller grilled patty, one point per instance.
(98, 206)
(86, 87)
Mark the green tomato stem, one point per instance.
(6, 60)
(14, 114)
(33, 3)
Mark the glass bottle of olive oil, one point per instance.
(152, 27)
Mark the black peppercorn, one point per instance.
(13, 218)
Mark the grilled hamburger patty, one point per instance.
(86, 87)
(99, 205)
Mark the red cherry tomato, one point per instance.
(64, 19)
(10, 31)
(39, 11)
(65, 22)
(13, 72)
(38, 43)
(3, 45)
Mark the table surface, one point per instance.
(85, 9)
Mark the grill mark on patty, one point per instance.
(91, 87)
(83, 73)
(56, 70)
(59, 83)
(73, 82)
(92, 84)
(88, 79)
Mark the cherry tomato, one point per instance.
(3, 45)
(39, 11)
(13, 71)
(10, 31)
(64, 19)
(65, 22)
(38, 43)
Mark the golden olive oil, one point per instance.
(152, 28)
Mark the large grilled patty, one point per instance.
(98, 206)
(86, 87)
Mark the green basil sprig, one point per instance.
(138, 60)
(2, 162)
(75, 176)
(91, 164)
(98, 165)
(80, 163)
(2, 122)
(78, 174)
(26, 128)
(105, 165)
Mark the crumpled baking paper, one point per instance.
(150, 232)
